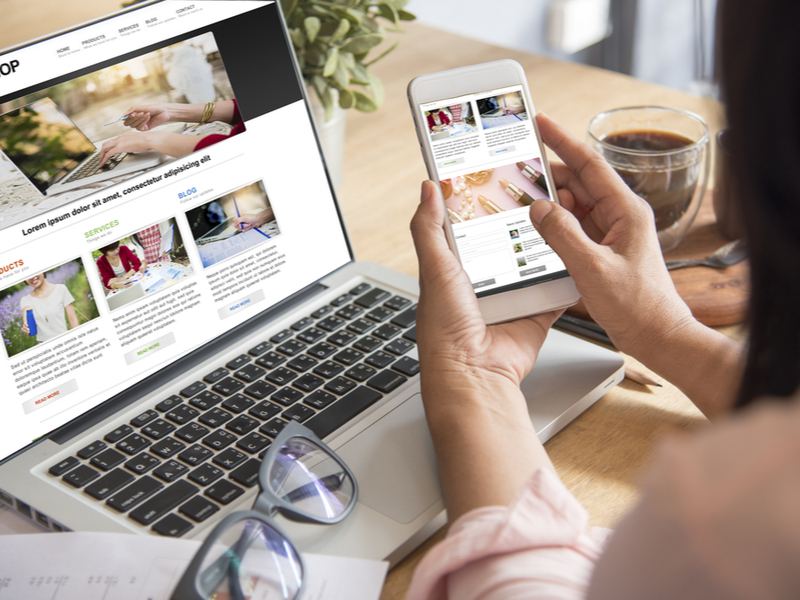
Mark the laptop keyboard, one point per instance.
(193, 452)
(92, 166)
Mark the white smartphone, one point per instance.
(479, 140)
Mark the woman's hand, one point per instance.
(147, 116)
(130, 142)
(248, 222)
(606, 236)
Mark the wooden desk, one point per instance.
(602, 453)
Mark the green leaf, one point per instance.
(388, 12)
(355, 15)
(328, 102)
(360, 75)
(406, 16)
(371, 25)
(341, 30)
(288, 7)
(320, 85)
(331, 62)
(364, 103)
(376, 87)
(341, 76)
(298, 39)
(312, 25)
(346, 98)
(382, 54)
(363, 43)
(348, 59)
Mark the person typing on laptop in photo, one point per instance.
(147, 117)
(717, 514)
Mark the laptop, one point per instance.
(152, 419)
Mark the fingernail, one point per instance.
(425, 194)
(539, 210)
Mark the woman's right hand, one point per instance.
(606, 236)
(147, 116)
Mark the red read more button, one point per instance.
(43, 399)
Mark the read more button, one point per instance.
(150, 348)
(46, 398)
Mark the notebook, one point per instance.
(149, 413)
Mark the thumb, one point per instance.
(562, 232)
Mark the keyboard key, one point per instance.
(242, 425)
(215, 417)
(92, 449)
(108, 484)
(270, 360)
(119, 433)
(399, 346)
(238, 362)
(328, 369)
(216, 375)
(411, 335)
(308, 382)
(135, 493)
(360, 326)
(142, 463)
(172, 526)
(404, 319)
(259, 349)
(237, 403)
(397, 303)
(322, 311)
(81, 476)
(273, 428)
(337, 414)
(170, 471)
(379, 314)
(224, 492)
(311, 336)
(380, 359)
(351, 311)
(219, 439)
(250, 373)
(319, 399)
(264, 411)
(191, 432)
(163, 502)
(348, 357)
(291, 348)
(386, 381)
(330, 323)
(281, 376)
(367, 344)
(158, 429)
(65, 465)
(343, 299)
(341, 338)
(194, 455)
(281, 336)
(299, 413)
(205, 400)
(229, 458)
(322, 350)
(253, 442)
(386, 331)
(260, 390)
(191, 390)
(205, 474)
(407, 366)
(168, 404)
(372, 298)
(247, 474)
(107, 459)
(133, 444)
(182, 414)
(302, 363)
(302, 324)
(167, 447)
(198, 509)
(360, 372)
(227, 386)
(286, 396)
(360, 289)
(339, 385)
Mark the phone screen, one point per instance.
(489, 165)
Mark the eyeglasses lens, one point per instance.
(309, 478)
(251, 561)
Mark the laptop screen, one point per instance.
(225, 210)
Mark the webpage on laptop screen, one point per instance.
(207, 203)
(490, 170)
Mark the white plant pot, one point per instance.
(331, 136)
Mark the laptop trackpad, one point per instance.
(395, 464)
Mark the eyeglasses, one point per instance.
(247, 555)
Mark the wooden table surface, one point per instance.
(601, 454)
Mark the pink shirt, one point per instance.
(719, 519)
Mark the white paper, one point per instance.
(112, 566)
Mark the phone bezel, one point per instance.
(513, 304)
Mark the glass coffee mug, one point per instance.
(662, 154)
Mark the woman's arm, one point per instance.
(166, 142)
(606, 236)
(72, 318)
(147, 116)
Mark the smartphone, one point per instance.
(479, 140)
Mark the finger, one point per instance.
(427, 229)
(565, 235)
(105, 152)
(566, 179)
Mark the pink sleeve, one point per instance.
(538, 547)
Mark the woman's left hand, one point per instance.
(130, 142)
(452, 335)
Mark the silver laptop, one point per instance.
(152, 419)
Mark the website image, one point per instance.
(51, 141)
(445, 122)
(488, 180)
(45, 306)
(233, 223)
(141, 264)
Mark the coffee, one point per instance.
(668, 188)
